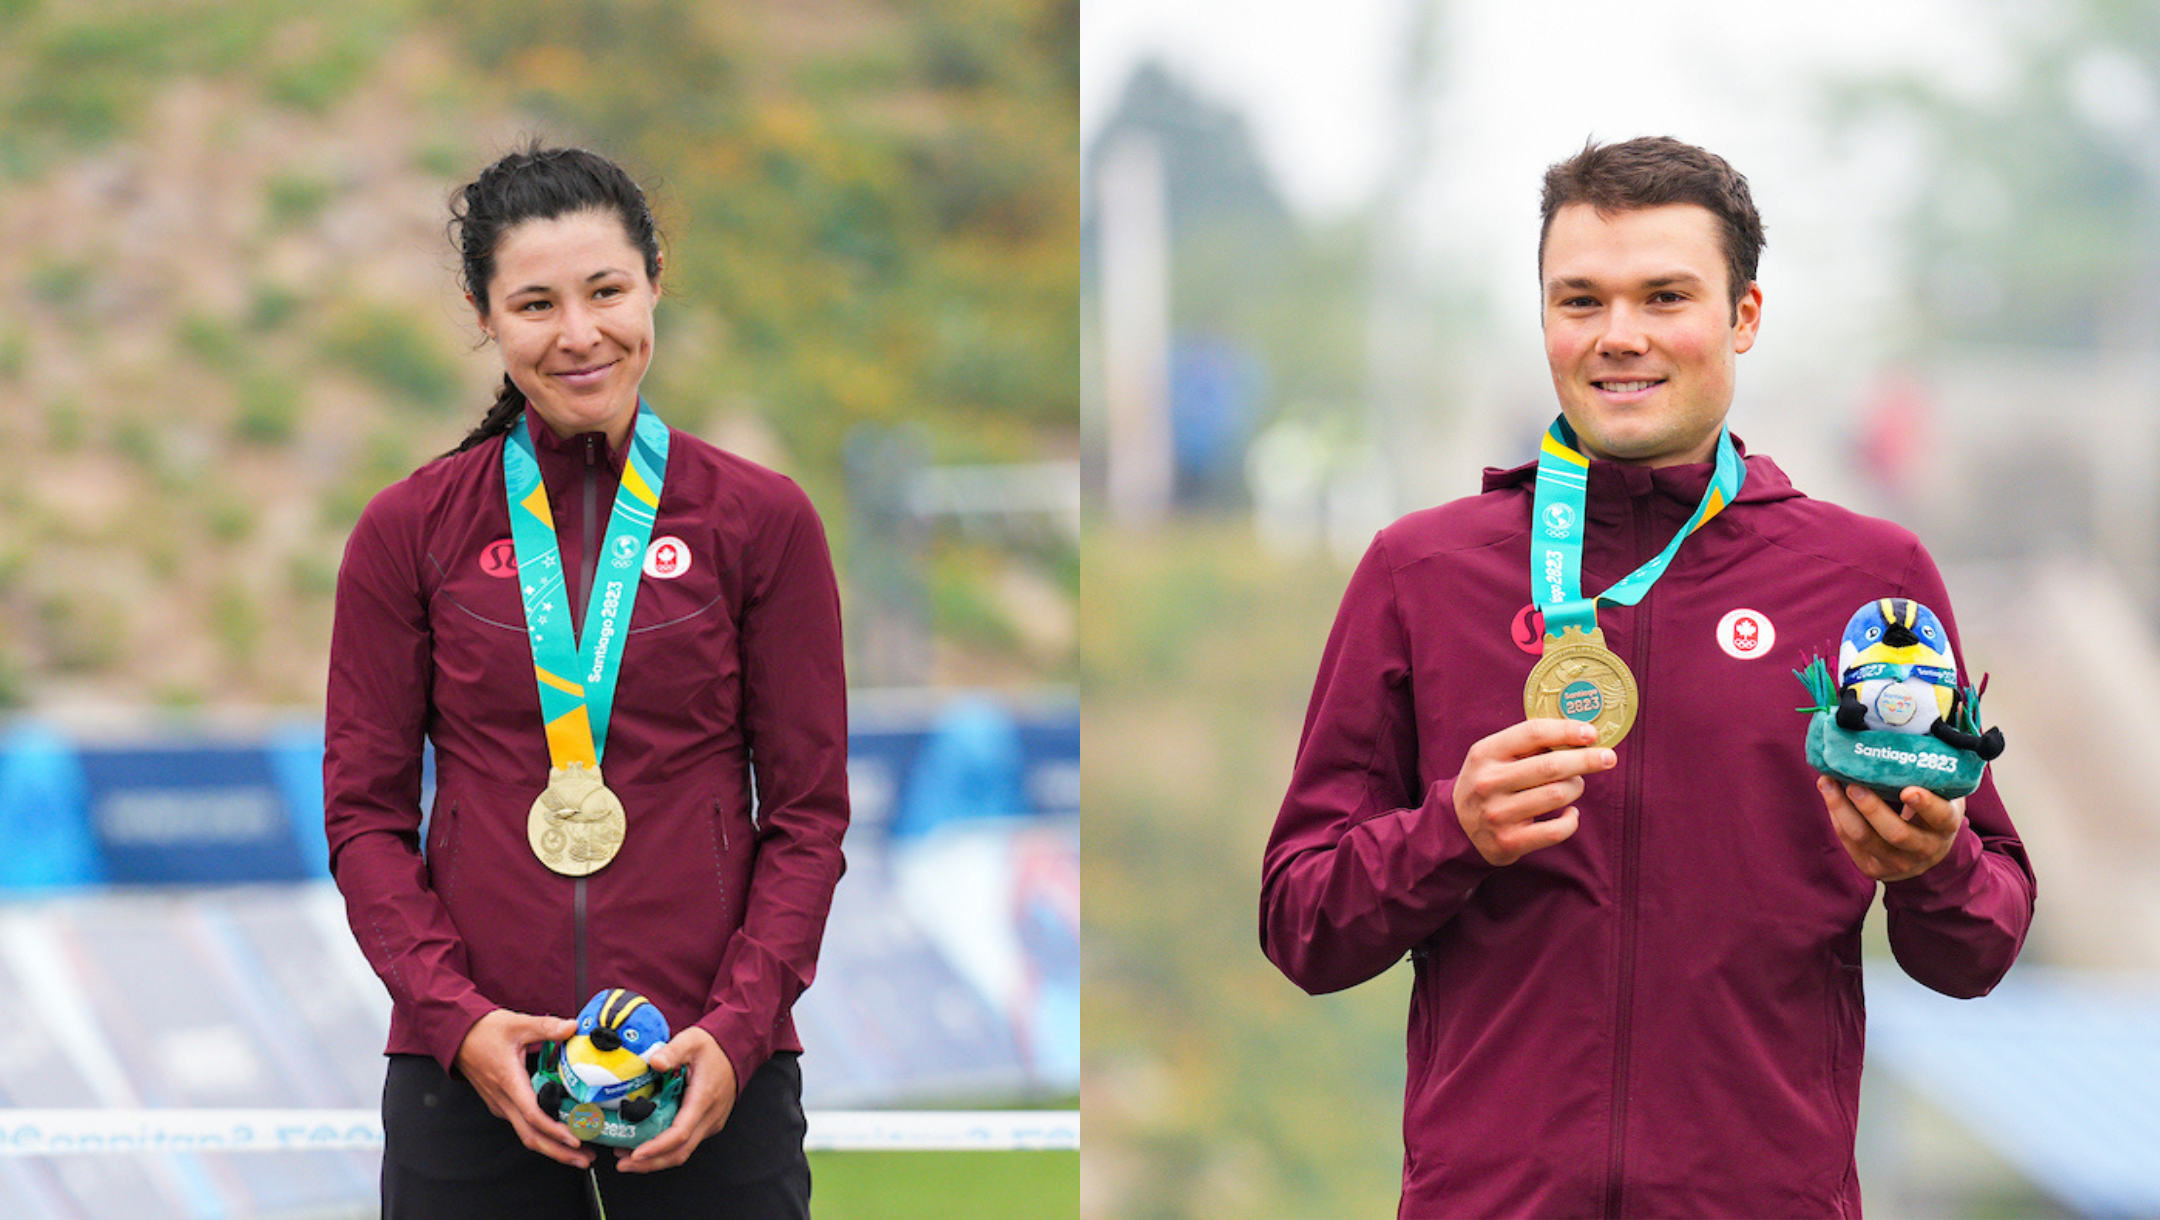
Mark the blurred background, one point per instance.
(1309, 304)
(229, 315)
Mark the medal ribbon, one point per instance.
(1936, 674)
(577, 684)
(1557, 525)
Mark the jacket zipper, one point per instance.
(589, 564)
(1631, 814)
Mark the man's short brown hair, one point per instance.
(1653, 171)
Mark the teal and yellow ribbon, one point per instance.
(1557, 525)
(577, 677)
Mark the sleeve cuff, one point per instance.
(1458, 863)
(1947, 884)
(451, 1030)
(747, 1048)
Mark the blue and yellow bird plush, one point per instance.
(604, 1062)
(1896, 673)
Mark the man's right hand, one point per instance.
(1514, 778)
(492, 1060)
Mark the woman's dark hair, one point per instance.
(538, 184)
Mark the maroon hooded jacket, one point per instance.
(732, 668)
(1661, 1015)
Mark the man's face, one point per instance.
(1641, 332)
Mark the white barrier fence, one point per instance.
(72, 1132)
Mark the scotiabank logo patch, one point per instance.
(667, 558)
(499, 558)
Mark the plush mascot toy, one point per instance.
(598, 1082)
(1895, 716)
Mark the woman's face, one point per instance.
(572, 310)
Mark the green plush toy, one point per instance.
(1895, 717)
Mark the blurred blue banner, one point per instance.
(204, 811)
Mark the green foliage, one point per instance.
(19, 158)
(315, 85)
(310, 576)
(89, 77)
(395, 353)
(236, 622)
(388, 458)
(295, 200)
(212, 341)
(885, 231)
(82, 632)
(442, 159)
(961, 604)
(59, 282)
(228, 518)
(14, 354)
(269, 410)
(137, 441)
(14, 687)
(271, 307)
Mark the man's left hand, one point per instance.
(1892, 844)
(708, 1097)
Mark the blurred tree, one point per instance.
(2035, 214)
(1252, 283)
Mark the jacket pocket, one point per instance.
(442, 849)
(720, 847)
(1848, 1046)
(1848, 1019)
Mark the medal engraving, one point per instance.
(577, 825)
(1580, 679)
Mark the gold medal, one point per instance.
(1580, 679)
(577, 825)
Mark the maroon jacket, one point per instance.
(1661, 1015)
(732, 668)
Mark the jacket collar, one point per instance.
(559, 452)
(1683, 484)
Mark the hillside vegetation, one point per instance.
(229, 313)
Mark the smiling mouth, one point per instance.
(585, 374)
(1626, 387)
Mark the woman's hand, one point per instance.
(708, 1098)
(492, 1060)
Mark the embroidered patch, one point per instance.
(667, 558)
(1528, 630)
(499, 558)
(1746, 634)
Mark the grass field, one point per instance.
(945, 1185)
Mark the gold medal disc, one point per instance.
(577, 825)
(1579, 678)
